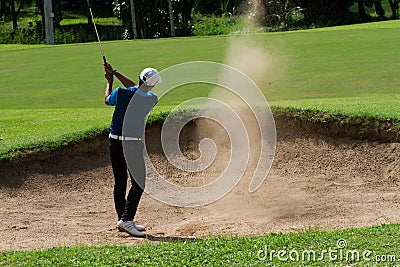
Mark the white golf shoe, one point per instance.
(140, 227)
(137, 226)
(130, 228)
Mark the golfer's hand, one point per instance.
(108, 68)
(109, 77)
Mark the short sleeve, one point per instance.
(112, 98)
(155, 100)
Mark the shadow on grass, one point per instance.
(169, 238)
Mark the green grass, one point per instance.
(66, 83)
(382, 242)
(103, 16)
(390, 24)
(56, 91)
(42, 128)
(16, 47)
(371, 10)
(52, 96)
(375, 105)
(98, 21)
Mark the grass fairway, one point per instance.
(54, 94)
(311, 248)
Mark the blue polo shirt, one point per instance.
(142, 104)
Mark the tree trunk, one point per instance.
(134, 24)
(361, 9)
(49, 27)
(379, 9)
(21, 6)
(3, 7)
(13, 15)
(393, 8)
(41, 8)
(171, 18)
(89, 17)
(186, 9)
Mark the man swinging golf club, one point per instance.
(144, 101)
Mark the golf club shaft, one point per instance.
(97, 34)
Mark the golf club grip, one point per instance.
(104, 59)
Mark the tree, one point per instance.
(217, 7)
(87, 4)
(57, 11)
(325, 12)
(153, 17)
(184, 10)
(370, 3)
(14, 11)
(171, 18)
(3, 7)
(133, 17)
(280, 13)
(379, 9)
(361, 9)
(394, 6)
(40, 5)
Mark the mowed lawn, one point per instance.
(347, 247)
(53, 94)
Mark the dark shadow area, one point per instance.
(169, 238)
(92, 154)
(75, 158)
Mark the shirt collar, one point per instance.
(140, 92)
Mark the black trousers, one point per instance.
(126, 207)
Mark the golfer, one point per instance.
(143, 102)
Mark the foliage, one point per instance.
(394, 6)
(194, 17)
(281, 15)
(152, 18)
(212, 25)
(83, 33)
(58, 12)
(13, 8)
(325, 12)
(218, 8)
(31, 34)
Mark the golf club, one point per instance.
(97, 34)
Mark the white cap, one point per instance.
(150, 76)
